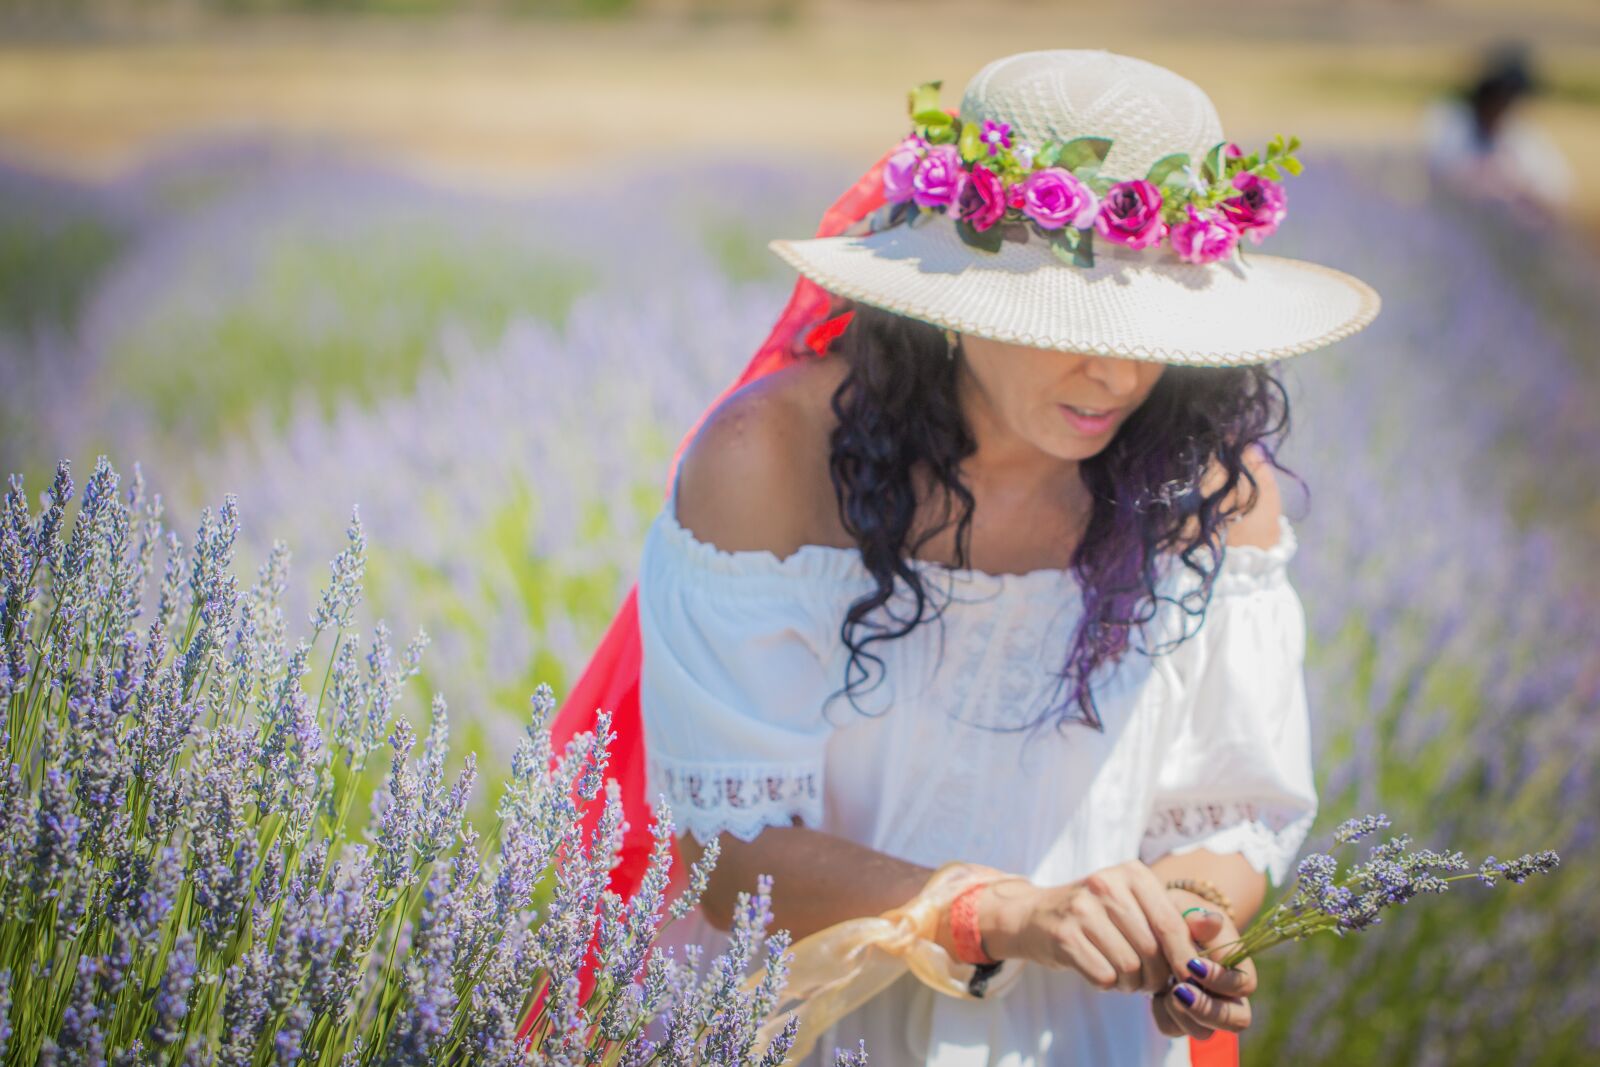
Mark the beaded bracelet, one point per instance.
(1206, 891)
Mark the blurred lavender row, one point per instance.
(507, 465)
(1448, 568)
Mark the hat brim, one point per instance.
(1137, 304)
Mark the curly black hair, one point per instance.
(1162, 488)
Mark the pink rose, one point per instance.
(1259, 207)
(1054, 197)
(983, 198)
(1204, 238)
(939, 177)
(898, 172)
(1130, 214)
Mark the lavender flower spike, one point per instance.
(178, 876)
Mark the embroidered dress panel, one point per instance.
(1206, 745)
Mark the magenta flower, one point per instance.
(1130, 214)
(983, 198)
(898, 172)
(1259, 207)
(1204, 238)
(1055, 197)
(996, 135)
(939, 177)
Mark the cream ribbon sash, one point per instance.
(836, 970)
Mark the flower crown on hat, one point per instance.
(998, 187)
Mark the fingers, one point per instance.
(1134, 926)
(1162, 1013)
(1226, 981)
(1074, 949)
(1166, 922)
(1205, 926)
(1208, 1009)
(1181, 1020)
(1123, 965)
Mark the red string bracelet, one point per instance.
(964, 927)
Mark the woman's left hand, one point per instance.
(1220, 996)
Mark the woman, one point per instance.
(1002, 579)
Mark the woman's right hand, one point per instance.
(1118, 927)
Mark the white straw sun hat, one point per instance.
(1143, 303)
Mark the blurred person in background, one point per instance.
(1481, 146)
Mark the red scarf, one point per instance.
(611, 679)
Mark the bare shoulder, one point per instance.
(1259, 525)
(756, 474)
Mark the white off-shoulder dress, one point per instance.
(1205, 746)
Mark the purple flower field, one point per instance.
(312, 337)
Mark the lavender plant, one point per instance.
(181, 877)
(1447, 557)
(1325, 899)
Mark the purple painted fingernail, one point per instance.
(1197, 967)
(1185, 994)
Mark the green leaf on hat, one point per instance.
(1083, 155)
(1064, 248)
(924, 97)
(1084, 255)
(1291, 164)
(1166, 167)
(1047, 154)
(987, 241)
(971, 141)
(1270, 170)
(1214, 168)
(937, 116)
(1065, 245)
(890, 215)
(1073, 247)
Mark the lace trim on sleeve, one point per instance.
(1268, 840)
(742, 799)
(1248, 568)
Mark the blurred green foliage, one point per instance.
(326, 320)
(47, 269)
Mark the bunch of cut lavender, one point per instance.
(1324, 898)
(181, 879)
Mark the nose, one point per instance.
(1119, 377)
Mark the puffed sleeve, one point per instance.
(732, 680)
(1235, 774)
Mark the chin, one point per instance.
(1079, 449)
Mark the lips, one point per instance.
(1089, 421)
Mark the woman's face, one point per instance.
(1067, 404)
